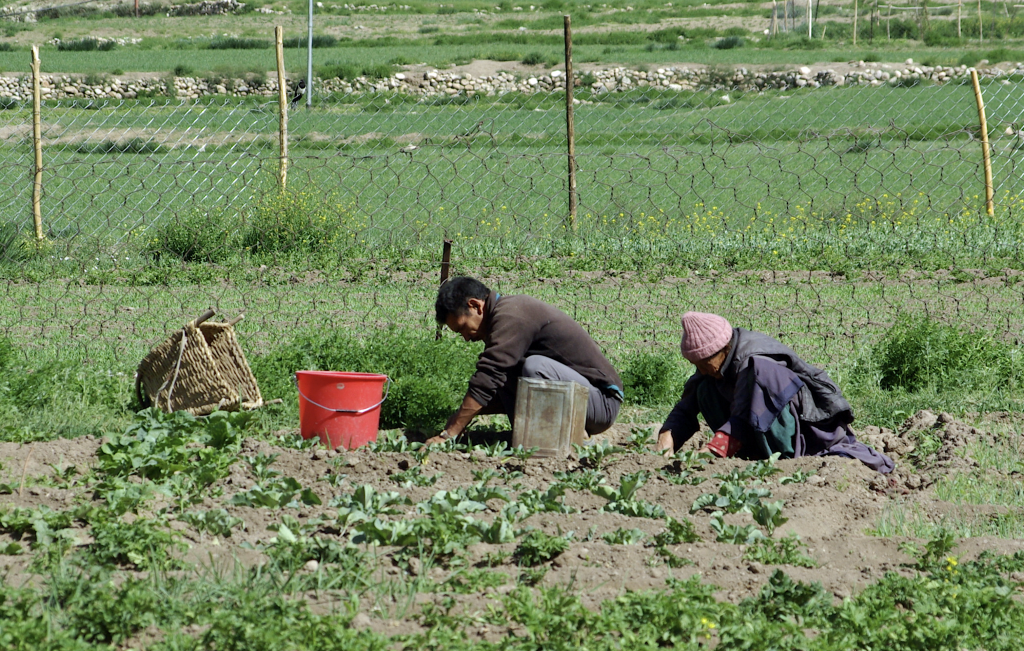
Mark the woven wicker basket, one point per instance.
(199, 369)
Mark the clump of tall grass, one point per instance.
(291, 222)
(196, 236)
(653, 379)
(922, 363)
(920, 352)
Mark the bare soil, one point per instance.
(832, 512)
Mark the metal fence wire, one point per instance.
(708, 176)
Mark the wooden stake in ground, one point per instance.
(282, 92)
(959, 12)
(985, 153)
(810, 20)
(981, 35)
(446, 263)
(37, 143)
(854, 23)
(570, 126)
(773, 29)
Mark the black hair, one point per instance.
(454, 295)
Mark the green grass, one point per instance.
(695, 163)
(203, 60)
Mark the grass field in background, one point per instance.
(653, 164)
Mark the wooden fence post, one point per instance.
(981, 34)
(282, 88)
(854, 23)
(37, 144)
(985, 153)
(570, 126)
(446, 263)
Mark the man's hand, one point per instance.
(440, 438)
(665, 444)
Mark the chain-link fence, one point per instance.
(805, 205)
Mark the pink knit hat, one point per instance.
(704, 335)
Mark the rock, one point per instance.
(415, 566)
(804, 70)
(311, 565)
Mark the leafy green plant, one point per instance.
(498, 449)
(769, 515)
(392, 442)
(414, 476)
(522, 455)
(797, 477)
(537, 547)
(584, 479)
(682, 477)
(364, 503)
(936, 552)
(624, 536)
(471, 499)
(691, 459)
(734, 533)
(676, 532)
(731, 496)
(145, 543)
(640, 439)
(622, 500)
(783, 599)
(783, 551)
(665, 555)
(472, 581)
(259, 466)
(533, 501)
(594, 455)
(42, 525)
(276, 493)
(217, 522)
(295, 544)
(178, 449)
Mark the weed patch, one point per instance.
(429, 376)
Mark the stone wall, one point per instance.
(437, 82)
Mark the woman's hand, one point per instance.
(665, 444)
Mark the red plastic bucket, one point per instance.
(343, 409)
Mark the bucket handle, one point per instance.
(358, 412)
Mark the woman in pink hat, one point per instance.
(759, 398)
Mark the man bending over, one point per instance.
(523, 337)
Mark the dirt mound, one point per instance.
(926, 447)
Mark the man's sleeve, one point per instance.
(510, 338)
